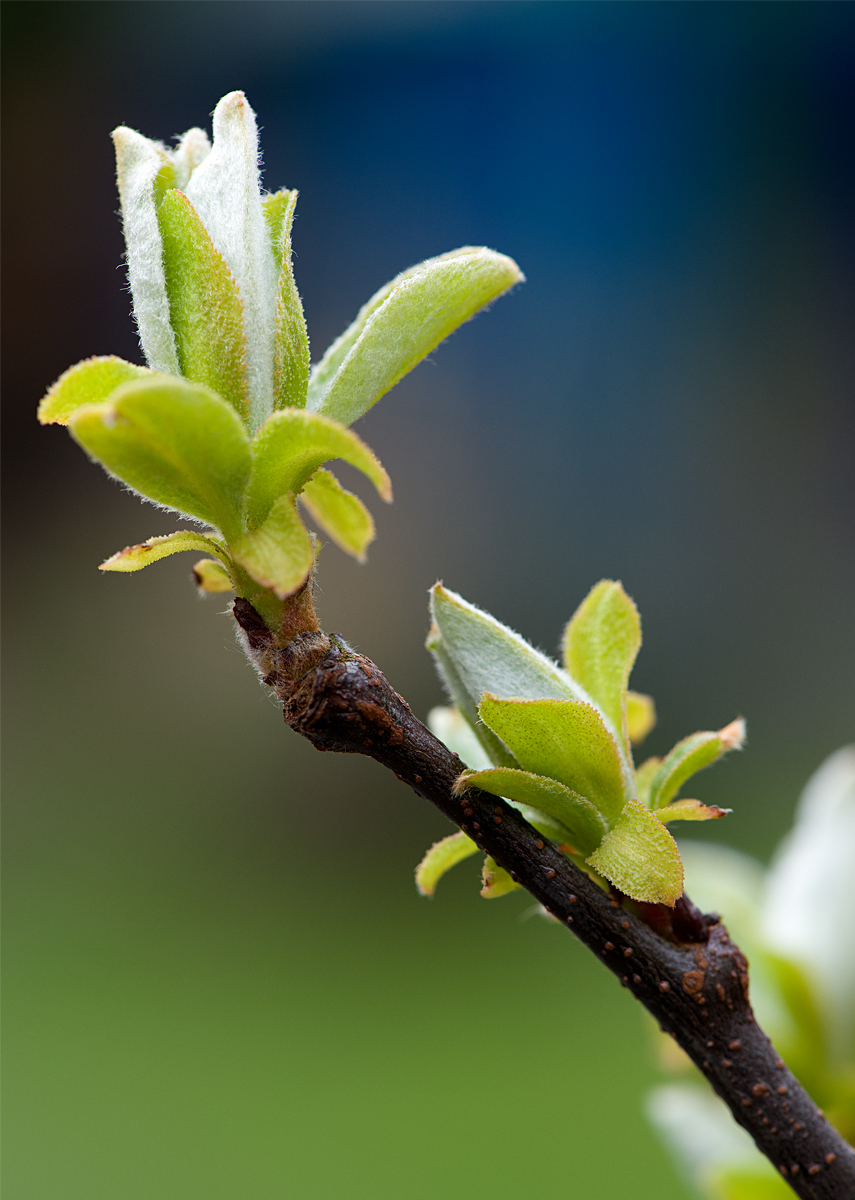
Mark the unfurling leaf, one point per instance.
(600, 646)
(495, 880)
(204, 305)
(291, 365)
(175, 443)
(441, 857)
(278, 554)
(224, 190)
(389, 338)
(491, 747)
(639, 856)
(134, 558)
(290, 447)
(212, 576)
(583, 825)
(691, 755)
(341, 514)
(489, 657)
(690, 810)
(640, 716)
(565, 740)
(88, 382)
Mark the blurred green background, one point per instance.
(219, 979)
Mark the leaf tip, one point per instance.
(732, 737)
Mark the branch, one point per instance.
(681, 965)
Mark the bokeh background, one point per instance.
(220, 980)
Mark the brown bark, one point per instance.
(681, 965)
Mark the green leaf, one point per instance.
(441, 857)
(291, 365)
(489, 657)
(341, 514)
(204, 304)
(495, 880)
(175, 443)
(452, 728)
(747, 1183)
(389, 338)
(600, 646)
(584, 825)
(211, 576)
(639, 856)
(690, 810)
(565, 740)
(134, 558)
(278, 554)
(644, 778)
(640, 716)
(691, 755)
(491, 746)
(289, 448)
(87, 382)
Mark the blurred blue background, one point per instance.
(220, 981)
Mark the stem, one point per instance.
(681, 965)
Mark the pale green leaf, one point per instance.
(584, 825)
(644, 778)
(690, 810)
(639, 856)
(204, 305)
(491, 746)
(691, 755)
(452, 728)
(175, 443)
(600, 645)
(143, 170)
(224, 190)
(441, 857)
(88, 382)
(290, 447)
(341, 514)
(495, 880)
(490, 657)
(134, 558)
(192, 150)
(278, 554)
(640, 716)
(211, 576)
(421, 309)
(565, 740)
(291, 367)
(747, 1183)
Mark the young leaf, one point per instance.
(424, 307)
(278, 554)
(211, 576)
(690, 810)
(134, 558)
(290, 447)
(495, 880)
(600, 646)
(639, 856)
(175, 443)
(644, 778)
(454, 730)
(489, 657)
(204, 304)
(640, 716)
(691, 755)
(139, 163)
(441, 857)
(191, 151)
(565, 740)
(341, 514)
(224, 191)
(291, 367)
(584, 825)
(491, 747)
(87, 382)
